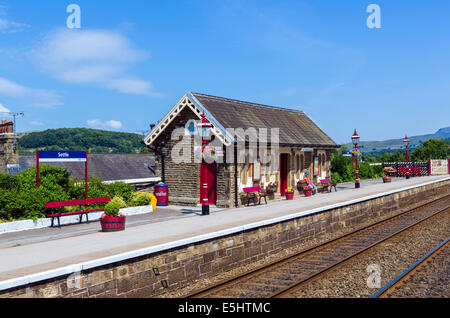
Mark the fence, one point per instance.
(416, 169)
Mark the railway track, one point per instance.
(281, 278)
(403, 278)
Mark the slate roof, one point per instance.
(108, 167)
(295, 127)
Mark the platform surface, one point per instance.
(33, 252)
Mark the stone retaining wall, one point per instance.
(157, 273)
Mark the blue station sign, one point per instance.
(62, 156)
(346, 154)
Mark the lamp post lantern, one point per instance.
(406, 142)
(204, 128)
(355, 140)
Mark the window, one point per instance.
(191, 127)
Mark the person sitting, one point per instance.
(310, 183)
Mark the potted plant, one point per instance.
(271, 187)
(112, 220)
(307, 191)
(387, 179)
(389, 172)
(289, 193)
(301, 184)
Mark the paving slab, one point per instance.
(48, 250)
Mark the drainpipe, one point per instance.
(236, 203)
(162, 160)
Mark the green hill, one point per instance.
(93, 140)
(397, 144)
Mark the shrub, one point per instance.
(8, 182)
(120, 201)
(49, 177)
(112, 209)
(121, 189)
(336, 178)
(140, 199)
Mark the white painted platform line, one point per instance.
(67, 270)
(65, 220)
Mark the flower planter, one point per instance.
(271, 189)
(307, 193)
(112, 224)
(387, 179)
(289, 195)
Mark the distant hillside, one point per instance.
(93, 140)
(395, 144)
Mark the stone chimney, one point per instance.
(8, 155)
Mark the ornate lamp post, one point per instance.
(204, 128)
(355, 140)
(406, 142)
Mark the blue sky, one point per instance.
(131, 61)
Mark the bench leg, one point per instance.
(87, 218)
(59, 223)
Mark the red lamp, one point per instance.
(355, 141)
(406, 141)
(204, 128)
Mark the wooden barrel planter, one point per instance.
(387, 179)
(112, 224)
(289, 195)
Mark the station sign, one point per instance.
(346, 154)
(62, 156)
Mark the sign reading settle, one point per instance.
(62, 156)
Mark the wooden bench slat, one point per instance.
(81, 202)
(61, 204)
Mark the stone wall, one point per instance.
(155, 274)
(7, 154)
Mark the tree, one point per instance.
(431, 149)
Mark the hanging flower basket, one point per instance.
(209, 153)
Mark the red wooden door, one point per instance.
(283, 173)
(208, 175)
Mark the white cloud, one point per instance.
(3, 109)
(34, 97)
(37, 123)
(97, 123)
(95, 57)
(8, 26)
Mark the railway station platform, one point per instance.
(30, 258)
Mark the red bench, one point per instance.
(253, 193)
(327, 185)
(56, 208)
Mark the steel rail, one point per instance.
(340, 262)
(224, 283)
(410, 270)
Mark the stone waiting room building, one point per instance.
(301, 146)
